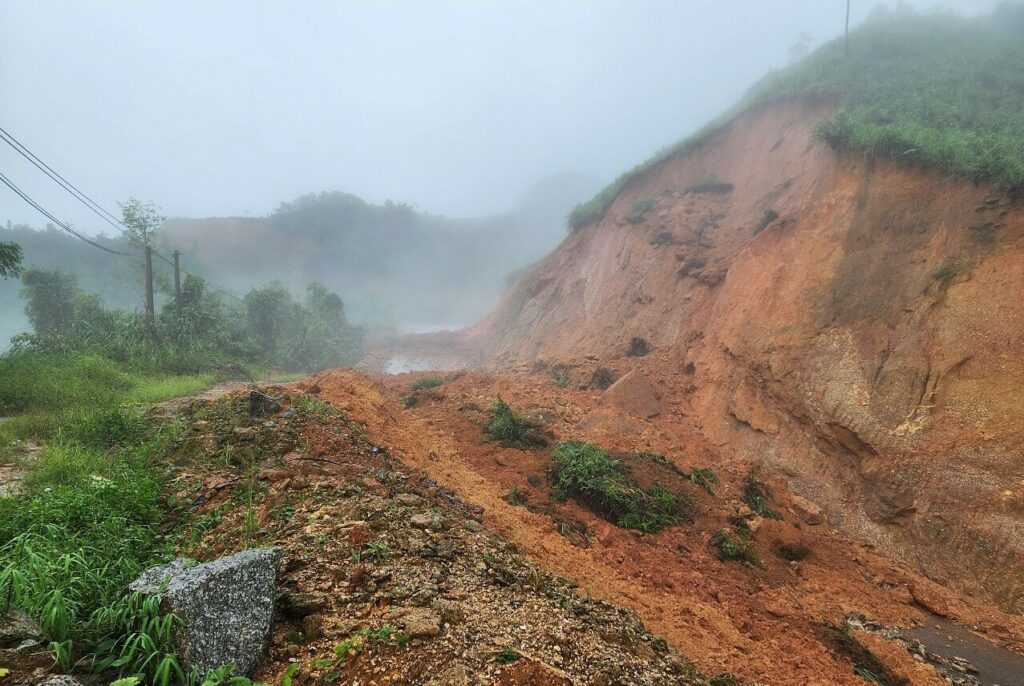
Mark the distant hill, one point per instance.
(392, 264)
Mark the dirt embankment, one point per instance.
(855, 327)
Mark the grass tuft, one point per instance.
(587, 473)
(510, 428)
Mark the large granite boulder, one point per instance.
(225, 607)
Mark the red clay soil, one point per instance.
(760, 623)
(867, 345)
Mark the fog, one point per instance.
(227, 108)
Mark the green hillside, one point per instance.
(938, 91)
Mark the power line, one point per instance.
(94, 206)
(10, 184)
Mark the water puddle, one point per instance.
(964, 657)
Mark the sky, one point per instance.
(229, 107)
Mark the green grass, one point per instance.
(935, 91)
(733, 549)
(758, 495)
(639, 209)
(425, 383)
(149, 390)
(705, 478)
(766, 218)
(510, 428)
(86, 524)
(587, 473)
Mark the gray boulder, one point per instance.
(225, 607)
(16, 627)
(60, 680)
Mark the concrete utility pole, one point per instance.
(177, 284)
(150, 309)
(847, 33)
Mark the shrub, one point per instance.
(638, 347)
(588, 474)
(732, 549)
(705, 478)
(758, 495)
(710, 184)
(515, 496)
(425, 383)
(560, 377)
(767, 218)
(511, 428)
(944, 274)
(506, 655)
(639, 209)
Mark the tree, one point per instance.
(49, 300)
(143, 220)
(10, 260)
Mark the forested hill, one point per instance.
(391, 263)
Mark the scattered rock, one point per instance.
(60, 680)
(929, 600)
(16, 627)
(297, 605)
(421, 623)
(425, 520)
(261, 404)
(225, 607)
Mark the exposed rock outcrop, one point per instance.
(225, 607)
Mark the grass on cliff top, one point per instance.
(937, 91)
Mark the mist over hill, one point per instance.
(394, 266)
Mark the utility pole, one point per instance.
(150, 309)
(177, 284)
(847, 34)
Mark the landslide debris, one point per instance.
(386, 577)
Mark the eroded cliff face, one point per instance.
(866, 344)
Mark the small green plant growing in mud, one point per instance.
(560, 377)
(318, 409)
(944, 274)
(588, 474)
(639, 209)
(425, 383)
(638, 347)
(378, 550)
(510, 428)
(506, 655)
(710, 184)
(705, 478)
(515, 496)
(758, 495)
(767, 218)
(731, 549)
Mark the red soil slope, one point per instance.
(865, 347)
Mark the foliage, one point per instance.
(143, 220)
(587, 473)
(506, 655)
(510, 428)
(85, 526)
(270, 328)
(705, 478)
(425, 383)
(10, 259)
(515, 496)
(944, 274)
(561, 378)
(732, 549)
(767, 217)
(710, 184)
(638, 347)
(939, 91)
(758, 495)
(639, 209)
